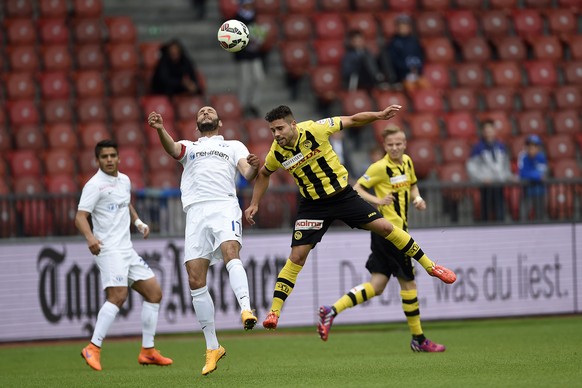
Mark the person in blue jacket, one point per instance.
(533, 168)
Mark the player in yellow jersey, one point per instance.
(303, 149)
(394, 183)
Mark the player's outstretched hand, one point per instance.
(390, 112)
(155, 120)
(250, 213)
(253, 160)
(94, 245)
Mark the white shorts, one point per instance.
(122, 268)
(207, 226)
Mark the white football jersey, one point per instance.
(107, 198)
(210, 166)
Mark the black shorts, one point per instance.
(388, 260)
(315, 216)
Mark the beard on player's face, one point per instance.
(207, 125)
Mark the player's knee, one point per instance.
(154, 297)
(196, 282)
(297, 259)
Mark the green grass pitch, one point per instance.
(526, 352)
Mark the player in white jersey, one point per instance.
(213, 217)
(106, 198)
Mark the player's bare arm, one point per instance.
(249, 167)
(371, 198)
(259, 189)
(364, 118)
(82, 223)
(141, 226)
(417, 200)
(156, 121)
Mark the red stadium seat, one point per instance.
(258, 131)
(435, 5)
(137, 178)
(18, 8)
(462, 25)
(541, 73)
(297, 27)
(572, 72)
(387, 22)
(87, 30)
(131, 159)
(129, 133)
(575, 44)
(127, 109)
(547, 48)
(20, 86)
(437, 74)
(20, 32)
(423, 154)
(228, 8)
(402, 5)
(56, 58)
(438, 49)
(460, 124)
(341, 5)
(363, 22)
(532, 122)
(356, 101)
(87, 164)
(326, 82)
(535, 97)
(87, 8)
(231, 130)
(329, 26)
(566, 122)
(123, 83)
(452, 173)
(494, 23)
(268, 7)
(59, 162)
(22, 58)
(91, 109)
(56, 111)
(152, 135)
(430, 23)
(5, 143)
(507, 73)
(462, 99)
(29, 137)
(469, 4)
(53, 31)
(122, 56)
(510, 48)
(187, 107)
(386, 98)
(476, 49)
(271, 27)
(560, 201)
(428, 100)
(565, 169)
(501, 121)
(92, 133)
(527, 22)
(159, 160)
(53, 8)
(455, 150)
(54, 84)
(296, 57)
(62, 136)
(22, 112)
(24, 163)
(424, 126)
(163, 180)
(159, 104)
(470, 75)
(561, 21)
(568, 97)
(120, 29)
(89, 57)
(500, 98)
(150, 54)
(301, 6)
(568, 4)
(89, 83)
(329, 52)
(61, 184)
(561, 146)
(227, 106)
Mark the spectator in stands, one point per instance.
(359, 66)
(250, 60)
(533, 167)
(175, 72)
(489, 165)
(404, 56)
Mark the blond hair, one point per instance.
(391, 130)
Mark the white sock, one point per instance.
(239, 283)
(105, 318)
(149, 321)
(204, 308)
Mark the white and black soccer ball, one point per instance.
(233, 35)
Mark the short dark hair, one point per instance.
(486, 122)
(105, 144)
(280, 112)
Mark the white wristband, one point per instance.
(417, 200)
(139, 223)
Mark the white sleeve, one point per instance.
(240, 151)
(89, 198)
(182, 157)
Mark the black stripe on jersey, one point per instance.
(412, 313)
(410, 301)
(302, 187)
(353, 298)
(328, 171)
(396, 199)
(317, 184)
(309, 136)
(279, 156)
(389, 172)
(405, 219)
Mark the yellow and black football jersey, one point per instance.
(385, 177)
(312, 161)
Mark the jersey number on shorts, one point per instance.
(236, 228)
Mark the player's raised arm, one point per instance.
(259, 189)
(363, 118)
(249, 167)
(156, 121)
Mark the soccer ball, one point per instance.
(233, 35)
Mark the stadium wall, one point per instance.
(51, 290)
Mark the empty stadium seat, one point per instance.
(438, 49)
(541, 73)
(430, 23)
(227, 106)
(29, 185)
(161, 105)
(123, 83)
(329, 52)
(326, 82)
(150, 54)
(506, 73)
(56, 111)
(89, 83)
(566, 121)
(329, 26)
(344, 5)
(565, 169)
(527, 22)
(510, 48)
(428, 100)
(435, 5)
(547, 48)
(59, 162)
(18, 8)
(24, 163)
(423, 154)
(122, 56)
(494, 23)
(163, 180)
(532, 122)
(296, 57)
(5, 141)
(402, 5)
(22, 112)
(53, 31)
(452, 173)
(561, 21)
(470, 75)
(54, 84)
(20, 85)
(460, 125)
(568, 97)
(129, 133)
(61, 184)
(437, 74)
(159, 160)
(500, 98)
(53, 8)
(258, 131)
(92, 133)
(89, 57)
(387, 22)
(62, 136)
(535, 97)
(476, 49)
(91, 109)
(356, 101)
(572, 72)
(462, 24)
(469, 4)
(56, 58)
(560, 146)
(87, 30)
(363, 22)
(22, 58)
(228, 8)
(87, 164)
(187, 107)
(120, 29)
(424, 126)
(127, 109)
(232, 129)
(152, 135)
(462, 99)
(297, 27)
(20, 31)
(29, 137)
(385, 98)
(130, 160)
(455, 150)
(560, 201)
(301, 6)
(137, 178)
(87, 8)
